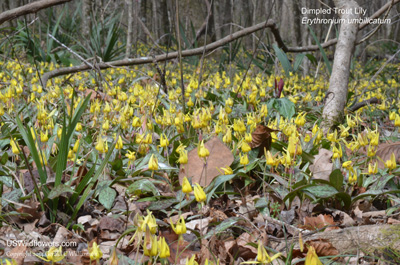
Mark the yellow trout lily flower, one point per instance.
(244, 160)
(246, 147)
(262, 256)
(372, 169)
(312, 258)
(186, 187)
(202, 151)
(199, 193)
(14, 146)
(153, 162)
(391, 163)
(191, 261)
(180, 227)
(119, 143)
(95, 252)
(164, 140)
(163, 248)
(227, 170)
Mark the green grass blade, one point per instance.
(283, 59)
(92, 182)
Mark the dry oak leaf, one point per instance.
(322, 166)
(323, 247)
(262, 138)
(319, 222)
(220, 156)
(385, 151)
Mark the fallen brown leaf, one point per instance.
(385, 151)
(261, 138)
(318, 222)
(322, 166)
(220, 156)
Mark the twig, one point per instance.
(71, 51)
(33, 7)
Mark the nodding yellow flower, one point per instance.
(246, 147)
(199, 193)
(391, 163)
(344, 131)
(362, 139)
(190, 102)
(392, 115)
(101, 146)
(300, 119)
(397, 120)
(244, 160)
(78, 127)
(337, 152)
(228, 136)
(347, 164)
(44, 136)
(307, 138)
(136, 122)
(14, 147)
(106, 125)
(95, 252)
(202, 151)
(164, 140)
(374, 137)
(59, 132)
(186, 187)
(153, 162)
(350, 122)
(76, 146)
(312, 257)
(180, 227)
(248, 138)
(227, 170)
(150, 244)
(238, 126)
(262, 256)
(53, 255)
(183, 156)
(372, 169)
(131, 156)
(71, 154)
(371, 151)
(191, 261)
(119, 144)
(163, 248)
(352, 176)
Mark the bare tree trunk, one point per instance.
(335, 98)
(155, 27)
(217, 20)
(129, 4)
(87, 21)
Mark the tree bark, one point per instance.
(129, 4)
(87, 20)
(336, 96)
(29, 8)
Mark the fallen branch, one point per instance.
(364, 103)
(158, 58)
(28, 9)
(350, 240)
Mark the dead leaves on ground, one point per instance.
(220, 156)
